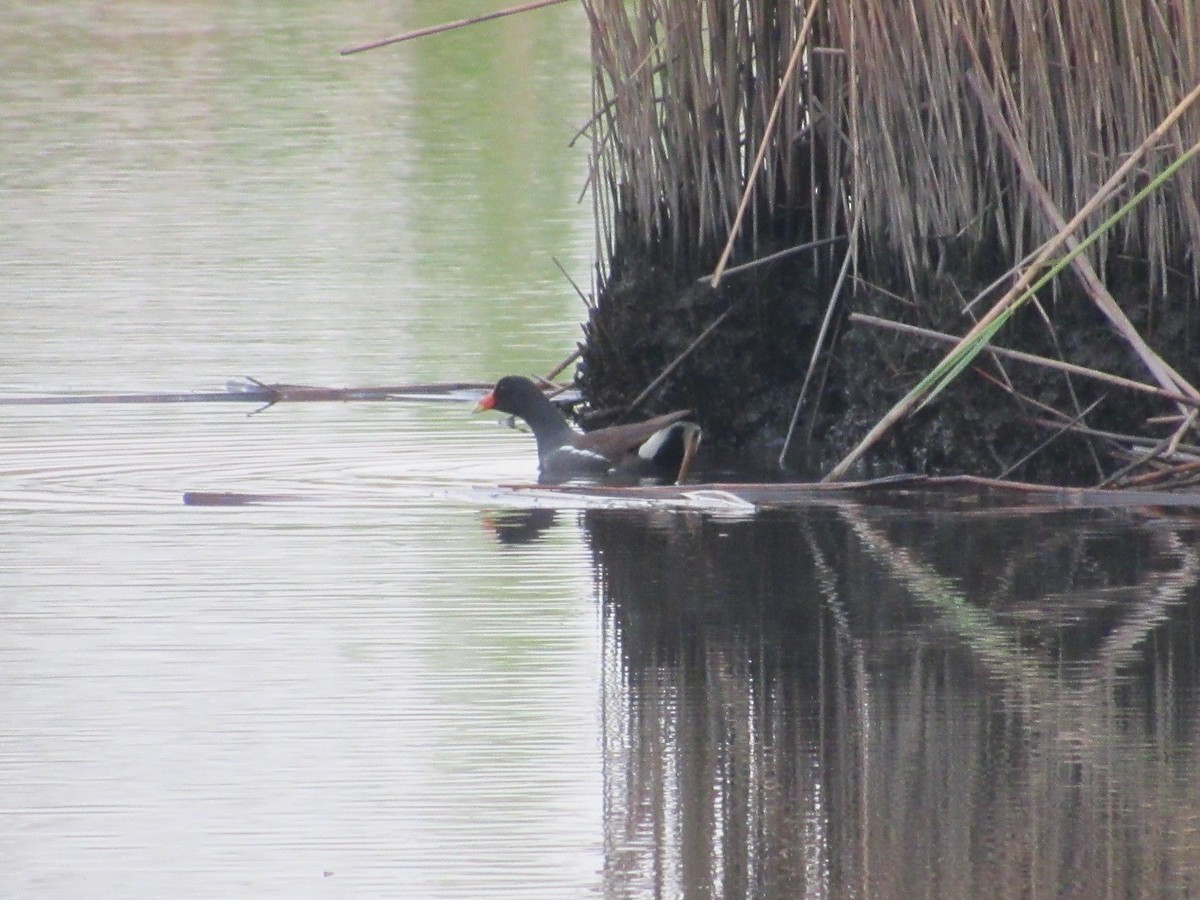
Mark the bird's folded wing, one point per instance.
(617, 440)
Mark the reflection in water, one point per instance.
(519, 526)
(859, 702)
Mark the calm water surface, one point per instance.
(399, 679)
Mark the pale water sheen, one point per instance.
(397, 679)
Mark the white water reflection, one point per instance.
(234, 701)
(215, 702)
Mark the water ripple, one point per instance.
(365, 682)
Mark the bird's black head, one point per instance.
(515, 395)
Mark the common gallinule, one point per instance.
(662, 447)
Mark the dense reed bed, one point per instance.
(930, 137)
(887, 112)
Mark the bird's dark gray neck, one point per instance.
(550, 427)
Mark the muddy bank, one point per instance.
(740, 380)
(743, 380)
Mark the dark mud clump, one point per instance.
(743, 380)
(740, 380)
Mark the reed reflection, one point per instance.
(875, 702)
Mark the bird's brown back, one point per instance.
(617, 440)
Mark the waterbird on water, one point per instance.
(661, 447)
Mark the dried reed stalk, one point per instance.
(685, 89)
(684, 92)
(450, 26)
(1024, 288)
(1032, 359)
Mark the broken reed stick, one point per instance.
(571, 281)
(700, 338)
(819, 343)
(1145, 459)
(1165, 449)
(1012, 272)
(558, 370)
(1065, 427)
(1060, 416)
(1031, 358)
(255, 391)
(772, 257)
(1132, 441)
(687, 351)
(449, 26)
(1019, 289)
(1174, 472)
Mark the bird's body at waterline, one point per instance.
(662, 446)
